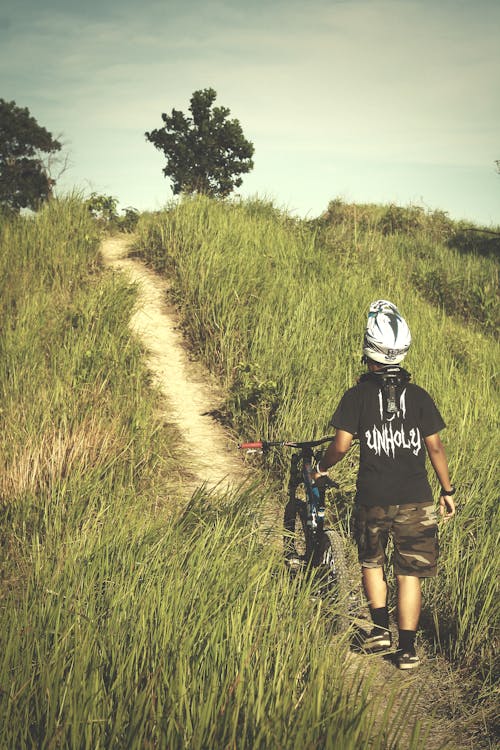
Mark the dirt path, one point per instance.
(188, 388)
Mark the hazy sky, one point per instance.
(370, 100)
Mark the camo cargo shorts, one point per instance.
(413, 528)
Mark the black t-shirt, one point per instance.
(392, 449)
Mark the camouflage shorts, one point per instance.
(413, 528)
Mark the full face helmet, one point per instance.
(387, 336)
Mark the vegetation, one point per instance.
(126, 619)
(284, 337)
(133, 640)
(451, 264)
(206, 152)
(104, 209)
(24, 178)
(79, 443)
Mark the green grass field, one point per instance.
(127, 621)
(277, 307)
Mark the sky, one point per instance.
(370, 101)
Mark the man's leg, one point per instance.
(409, 606)
(415, 557)
(372, 525)
(409, 602)
(375, 586)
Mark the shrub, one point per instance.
(103, 209)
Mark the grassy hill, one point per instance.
(126, 624)
(277, 307)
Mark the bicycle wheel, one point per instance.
(333, 577)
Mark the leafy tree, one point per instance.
(205, 152)
(103, 209)
(24, 178)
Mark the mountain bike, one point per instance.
(309, 546)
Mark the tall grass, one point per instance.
(113, 647)
(279, 314)
(125, 624)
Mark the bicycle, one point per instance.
(312, 549)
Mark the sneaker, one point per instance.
(407, 659)
(377, 639)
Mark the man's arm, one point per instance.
(336, 450)
(437, 456)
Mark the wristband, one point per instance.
(448, 492)
(318, 471)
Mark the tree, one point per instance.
(103, 209)
(206, 152)
(24, 144)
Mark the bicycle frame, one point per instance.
(324, 555)
(312, 512)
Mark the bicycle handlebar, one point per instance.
(265, 444)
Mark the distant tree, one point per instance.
(104, 209)
(24, 145)
(205, 152)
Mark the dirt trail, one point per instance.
(188, 388)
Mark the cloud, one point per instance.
(365, 82)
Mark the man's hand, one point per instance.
(446, 507)
(319, 479)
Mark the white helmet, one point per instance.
(387, 336)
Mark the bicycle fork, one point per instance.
(311, 512)
(315, 509)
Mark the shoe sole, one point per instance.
(376, 646)
(409, 666)
(377, 643)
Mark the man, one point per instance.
(396, 422)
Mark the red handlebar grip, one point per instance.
(250, 445)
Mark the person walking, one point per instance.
(397, 423)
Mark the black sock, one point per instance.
(407, 640)
(380, 617)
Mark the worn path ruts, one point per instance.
(189, 389)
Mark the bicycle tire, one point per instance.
(294, 523)
(327, 563)
(333, 577)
